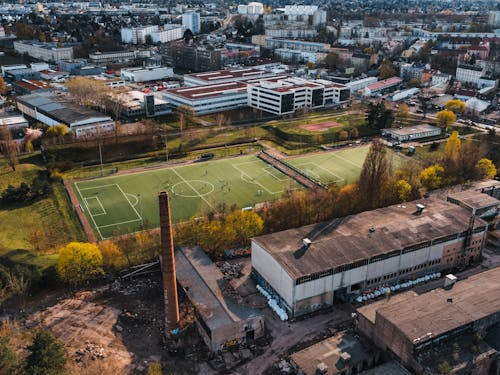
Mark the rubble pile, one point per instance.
(92, 351)
(230, 270)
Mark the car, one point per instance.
(207, 156)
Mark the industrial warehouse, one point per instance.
(418, 329)
(308, 268)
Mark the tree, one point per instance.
(452, 148)
(9, 362)
(379, 117)
(47, 355)
(244, 224)
(456, 106)
(343, 135)
(112, 257)
(432, 177)
(402, 113)
(3, 86)
(387, 69)
(57, 131)
(404, 190)
(332, 60)
(444, 368)
(354, 133)
(486, 168)
(79, 262)
(310, 65)
(88, 91)
(445, 118)
(374, 175)
(154, 368)
(8, 147)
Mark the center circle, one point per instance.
(187, 188)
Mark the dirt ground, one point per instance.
(117, 328)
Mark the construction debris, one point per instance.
(230, 270)
(93, 351)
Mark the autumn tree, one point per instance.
(402, 113)
(78, 262)
(387, 69)
(46, 355)
(88, 91)
(57, 131)
(354, 133)
(3, 86)
(446, 118)
(332, 60)
(8, 147)
(112, 257)
(456, 106)
(452, 148)
(403, 189)
(343, 135)
(432, 177)
(374, 175)
(244, 225)
(486, 168)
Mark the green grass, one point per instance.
(47, 223)
(120, 204)
(341, 167)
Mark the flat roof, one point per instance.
(226, 74)
(203, 283)
(33, 85)
(13, 120)
(429, 315)
(329, 352)
(408, 130)
(385, 83)
(207, 91)
(396, 227)
(474, 200)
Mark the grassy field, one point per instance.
(339, 166)
(47, 223)
(124, 203)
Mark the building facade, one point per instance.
(49, 52)
(137, 35)
(191, 21)
(469, 73)
(285, 96)
(412, 132)
(170, 32)
(308, 268)
(118, 56)
(152, 73)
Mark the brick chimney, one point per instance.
(168, 266)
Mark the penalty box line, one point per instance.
(255, 182)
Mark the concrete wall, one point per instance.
(273, 273)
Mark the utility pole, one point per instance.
(100, 158)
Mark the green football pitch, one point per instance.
(121, 204)
(341, 167)
(125, 203)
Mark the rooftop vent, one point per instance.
(449, 281)
(420, 208)
(449, 300)
(307, 242)
(371, 230)
(321, 369)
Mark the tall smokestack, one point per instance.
(168, 266)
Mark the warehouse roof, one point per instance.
(229, 74)
(364, 236)
(474, 200)
(429, 315)
(385, 83)
(204, 283)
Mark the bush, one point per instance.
(47, 355)
(26, 194)
(78, 262)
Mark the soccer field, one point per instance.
(341, 167)
(121, 204)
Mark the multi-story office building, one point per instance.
(191, 21)
(152, 73)
(118, 56)
(137, 35)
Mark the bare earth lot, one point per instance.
(321, 126)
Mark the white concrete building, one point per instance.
(44, 51)
(300, 10)
(286, 95)
(152, 73)
(6, 68)
(191, 21)
(137, 35)
(170, 32)
(118, 56)
(40, 66)
(411, 133)
(494, 18)
(211, 98)
(360, 84)
(308, 268)
(252, 9)
(469, 73)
